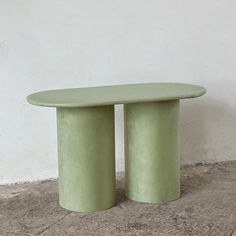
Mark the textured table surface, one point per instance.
(115, 94)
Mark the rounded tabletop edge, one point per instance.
(30, 98)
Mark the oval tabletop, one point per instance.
(115, 94)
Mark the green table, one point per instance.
(86, 144)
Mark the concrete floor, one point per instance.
(207, 207)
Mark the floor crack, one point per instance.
(54, 223)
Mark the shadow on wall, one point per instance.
(208, 131)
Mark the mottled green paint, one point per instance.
(86, 152)
(116, 94)
(152, 166)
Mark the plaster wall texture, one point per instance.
(61, 44)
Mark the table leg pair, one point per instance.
(86, 150)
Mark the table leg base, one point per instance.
(152, 165)
(86, 154)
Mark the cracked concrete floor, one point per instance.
(207, 207)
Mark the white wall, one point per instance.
(58, 44)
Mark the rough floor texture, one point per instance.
(207, 207)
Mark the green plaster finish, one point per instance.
(152, 165)
(85, 121)
(86, 152)
(116, 94)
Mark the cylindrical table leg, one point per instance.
(152, 166)
(86, 153)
